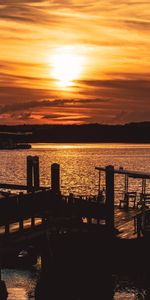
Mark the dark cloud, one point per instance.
(129, 90)
(118, 83)
(46, 103)
(22, 116)
(12, 94)
(137, 24)
(6, 77)
(50, 116)
(126, 116)
(28, 12)
(69, 118)
(29, 105)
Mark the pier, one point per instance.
(44, 217)
(36, 206)
(49, 204)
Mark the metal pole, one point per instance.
(145, 186)
(126, 183)
(99, 181)
(126, 196)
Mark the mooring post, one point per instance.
(36, 172)
(32, 221)
(29, 173)
(3, 290)
(70, 198)
(21, 225)
(55, 178)
(7, 228)
(43, 221)
(110, 198)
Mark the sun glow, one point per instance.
(66, 66)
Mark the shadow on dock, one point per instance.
(76, 269)
(86, 267)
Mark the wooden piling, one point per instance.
(3, 290)
(29, 173)
(32, 222)
(55, 178)
(70, 198)
(36, 172)
(43, 221)
(7, 228)
(110, 198)
(21, 225)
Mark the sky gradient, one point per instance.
(74, 61)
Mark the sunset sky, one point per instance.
(74, 61)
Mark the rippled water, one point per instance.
(78, 175)
(77, 161)
(20, 283)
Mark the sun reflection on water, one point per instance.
(89, 146)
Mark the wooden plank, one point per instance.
(11, 186)
(124, 222)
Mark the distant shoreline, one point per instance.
(88, 142)
(133, 133)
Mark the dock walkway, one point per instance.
(124, 222)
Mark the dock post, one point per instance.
(29, 173)
(36, 172)
(21, 225)
(43, 221)
(7, 228)
(3, 290)
(32, 221)
(110, 198)
(55, 178)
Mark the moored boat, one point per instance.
(10, 145)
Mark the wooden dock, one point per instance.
(48, 203)
(42, 215)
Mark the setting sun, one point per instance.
(66, 66)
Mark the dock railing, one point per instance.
(142, 215)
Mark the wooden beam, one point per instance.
(29, 173)
(55, 178)
(110, 198)
(11, 186)
(133, 174)
(36, 172)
